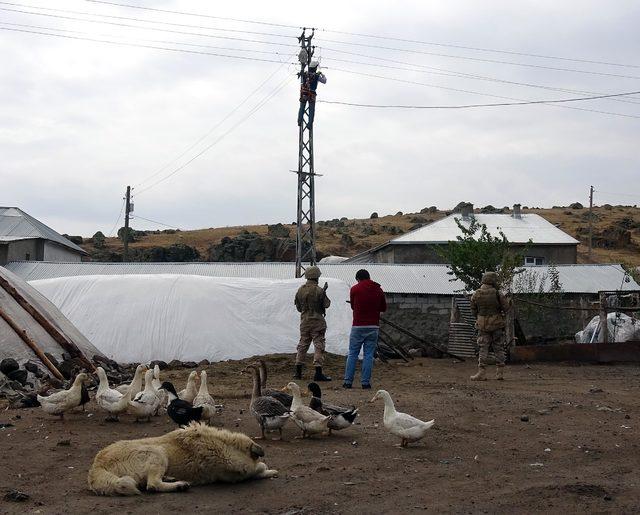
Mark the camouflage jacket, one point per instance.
(489, 306)
(311, 301)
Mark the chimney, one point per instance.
(516, 211)
(467, 211)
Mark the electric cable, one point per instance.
(202, 138)
(157, 29)
(110, 233)
(372, 36)
(255, 109)
(467, 106)
(153, 47)
(476, 92)
(154, 221)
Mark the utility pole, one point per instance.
(306, 219)
(590, 220)
(127, 210)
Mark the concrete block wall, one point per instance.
(424, 315)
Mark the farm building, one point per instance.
(22, 237)
(548, 243)
(419, 296)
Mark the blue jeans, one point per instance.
(365, 338)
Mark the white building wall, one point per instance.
(54, 252)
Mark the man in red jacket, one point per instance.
(367, 302)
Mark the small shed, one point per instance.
(22, 237)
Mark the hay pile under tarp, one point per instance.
(139, 318)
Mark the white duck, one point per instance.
(136, 383)
(309, 420)
(110, 400)
(59, 402)
(157, 383)
(408, 428)
(204, 399)
(190, 392)
(145, 403)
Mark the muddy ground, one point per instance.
(577, 452)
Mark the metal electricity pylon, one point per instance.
(306, 220)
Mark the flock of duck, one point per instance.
(272, 408)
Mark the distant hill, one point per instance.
(616, 237)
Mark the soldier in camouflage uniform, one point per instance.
(489, 306)
(311, 302)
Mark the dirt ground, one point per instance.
(577, 452)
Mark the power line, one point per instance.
(202, 138)
(467, 106)
(453, 73)
(196, 14)
(479, 59)
(221, 137)
(180, 50)
(100, 15)
(476, 92)
(373, 36)
(118, 219)
(157, 29)
(234, 49)
(153, 221)
(481, 49)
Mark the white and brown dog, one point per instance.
(195, 455)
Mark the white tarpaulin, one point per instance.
(138, 318)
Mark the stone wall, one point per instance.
(426, 316)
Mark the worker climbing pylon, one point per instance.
(308, 85)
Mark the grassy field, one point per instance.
(357, 235)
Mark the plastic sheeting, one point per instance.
(621, 327)
(11, 345)
(138, 318)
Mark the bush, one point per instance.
(74, 239)
(576, 205)
(374, 215)
(99, 240)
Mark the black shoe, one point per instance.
(298, 373)
(319, 376)
(366, 387)
(347, 386)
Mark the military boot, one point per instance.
(500, 373)
(479, 375)
(298, 373)
(319, 376)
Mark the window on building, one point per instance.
(532, 260)
(27, 257)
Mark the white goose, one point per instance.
(110, 400)
(145, 403)
(190, 392)
(408, 428)
(204, 399)
(59, 402)
(136, 383)
(309, 420)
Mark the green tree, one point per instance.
(99, 240)
(476, 251)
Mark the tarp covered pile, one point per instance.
(139, 318)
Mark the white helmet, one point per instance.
(314, 63)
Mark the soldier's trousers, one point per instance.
(312, 331)
(491, 341)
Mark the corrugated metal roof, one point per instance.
(408, 279)
(517, 230)
(15, 224)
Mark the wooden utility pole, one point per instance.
(590, 220)
(127, 210)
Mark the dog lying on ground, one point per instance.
(195, 455)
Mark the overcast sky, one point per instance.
(80, 119)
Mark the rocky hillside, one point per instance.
(616, 237)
